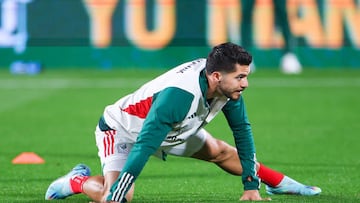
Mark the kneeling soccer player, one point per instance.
(166, 116)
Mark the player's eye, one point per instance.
(239, 77)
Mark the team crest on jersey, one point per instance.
(122, 148)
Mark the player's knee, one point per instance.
(221, 151)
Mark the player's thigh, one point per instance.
(191, 146)
(113, 149)
(215, 150)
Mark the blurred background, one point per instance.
(95, 51)
(163, 33)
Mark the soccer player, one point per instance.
(289, 63)
(166, 116)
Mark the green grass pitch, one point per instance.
(306, 126)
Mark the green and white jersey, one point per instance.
(169, 109)
(174, 101)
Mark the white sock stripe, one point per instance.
(124, 182)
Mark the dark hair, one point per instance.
(223, 57)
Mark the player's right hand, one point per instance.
(253, 195)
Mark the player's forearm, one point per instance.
(149, 140)
(237, 118)
(246, 151)
(136, 161)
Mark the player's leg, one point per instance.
(247, 41)
(247, 10)
(98, 187)
(95, 187)
(282, 19)
(62, 187)
(113, 153)
(204, 147)
(225, 156)
(289, 62)
(219, 152)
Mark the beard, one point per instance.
(231, 94)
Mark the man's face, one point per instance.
(232, 84)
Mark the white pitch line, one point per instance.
(305, 82)
(74, 83)
(62, 83)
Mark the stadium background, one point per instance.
(161, 33)
(304, 125)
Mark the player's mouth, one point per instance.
(239, 91)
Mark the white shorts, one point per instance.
(113, 151)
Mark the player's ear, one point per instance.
(217, 76)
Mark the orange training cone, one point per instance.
(28, 158)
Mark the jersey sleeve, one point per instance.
(169, 106)
(236, 116)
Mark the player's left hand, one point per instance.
(253, 195)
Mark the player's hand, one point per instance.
(253, 195)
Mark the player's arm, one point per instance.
(236, 116)
(169, 107)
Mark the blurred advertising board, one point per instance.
(163, 33)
